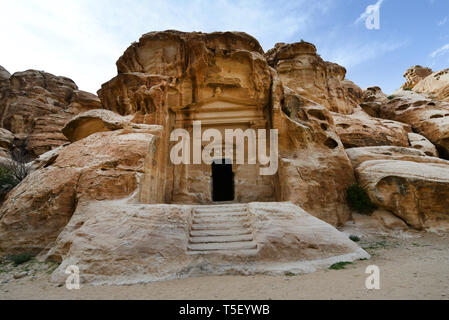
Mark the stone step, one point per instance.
(221, 214)
(219, 210)
(219, 226)
(227, 238)
(215, 220)
(241, 245)
(244, 252)
(218, 232)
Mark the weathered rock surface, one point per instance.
(414, 75)
(360, 155)
(435, 85)
(361, 130)
(416, 192)
(301, 69)
(92, 121)
(314, 170)
(118, 242)
(4, 74)
(35, 105)
(426, 116)
(420, 142)
(105, 165)
(6, 138)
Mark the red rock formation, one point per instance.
(35, 105)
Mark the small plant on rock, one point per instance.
(359, 201)
(21, 258)
(339, 265)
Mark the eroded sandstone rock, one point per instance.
(435, 85)
(420, 142)
(361, 130)
(314, 171)
(416, 192)
(105, 165)
(35, 105)
(414, 75)
(301, 69)
(118, 242)
(426, 116)
(360, 155)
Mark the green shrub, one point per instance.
(391, 97)
(7, 178)
(359, 201)
(21, 258)
(354, 238)
(339, 265)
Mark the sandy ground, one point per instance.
(414, 266)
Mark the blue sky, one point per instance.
(82, 39)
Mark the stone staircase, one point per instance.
(223, 229)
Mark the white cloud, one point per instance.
(369, 10)
(82, 39)
(355, 54)
(442, 22)
(440, 51)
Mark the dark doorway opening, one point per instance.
(222, 181)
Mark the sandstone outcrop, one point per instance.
(435, 85)
(118, 242)
(416, 192)
(35, 105)
(6, 142)
(406, 182)
(310, 150)
(89, 122)
(360, 155)
(105, 165)
(426, 116)
(361, 130)
(414, 75)
(420, 142)
(301, 69)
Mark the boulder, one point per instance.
(92, 121)
(105, 165)
(418, 193)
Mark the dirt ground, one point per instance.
(412, 266)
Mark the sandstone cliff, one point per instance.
(304, 71)
(35, 105)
